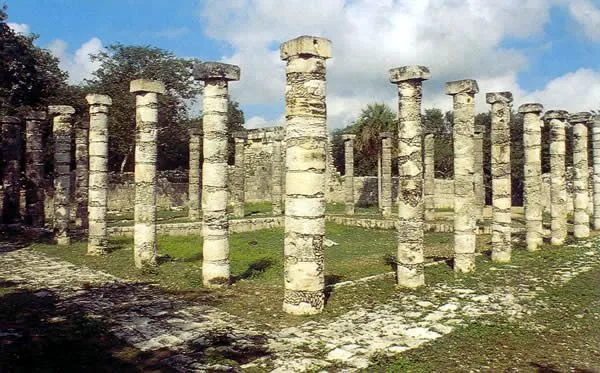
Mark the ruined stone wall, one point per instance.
(258, 160)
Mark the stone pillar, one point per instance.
(596, 178)
(239, 183)
(349, 174)
(146, 130)
(277, 174)
(379, 175)
(11, 178)
(581, 219)
(81, 174)
(62, 130)
(478, 184)
(34, 169)
(195, 175)
(386, 173)
(558, 188)
(429, 176)
(411, 211)
(305, 137)
(215, 222)
(532, 188)
(98, 174)
(501, 176)
(463, 94)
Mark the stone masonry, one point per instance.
(349, 174)
(195, 175)
(596, 178)
(386, 173)
(411, 211)
(556, 119)
(429, 176)
(277, 174)
(11, 177)
(581, 219)
(306, 146)
(34, 168)
(478, 184)
(239, 175)
(81, 174)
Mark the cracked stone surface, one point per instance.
(349, 173)
(11, 128)
(386, 173)
(558, 189)
(429, 176)
(596, 179)
(34, 168)
(581, 219)
(195, 175)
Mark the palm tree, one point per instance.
(373, 120)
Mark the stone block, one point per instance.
(582, 117)
(404, 73)
(97, 99)
(216, 71)
(306, 46)
(499, 97)
(556, 114)
(531, 108)
(145, 85)
(61, 109)
(462, 86)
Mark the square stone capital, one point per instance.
(499, 97)
(386, 135)
(531, 108)
(462, 86)
(556, 114)
(582, 117)
(61, 109)
(348, 137)
(596, 120)
(216, 71)
(306, 46)
(9, 119)
(146, 85)
(240, 135)
(36, 115)
(406, 73)
(97, 99)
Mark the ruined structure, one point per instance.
(478, 185)
(556, 120)
(306, 143)
(277, 174)
(349, 174)
(11, 176)
(581, 219)
(596, 179)
(429, 176)
(238, 182)
(195, 175)
(34, 168)
(386, 173)
(81, 174)
(411, 212)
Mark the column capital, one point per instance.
(279, 134)
(98, 99)
(462, 86)
(348, 137)
(499, 97)
(216, 71)
(305, 46)
(61, 110)
(581, 117)
(36, 115)
(146, 85)
(240, 136)
(531, 108)
(596, 120)
(386, 135)
(409, 73)
(556, 114)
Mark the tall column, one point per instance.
(81, 174)
(429, 176)
(411, 211)
(379, 175)
(34, 168)
(194, 175)
(349, 174)
(62, 130)
(581, 219)
(558, 188)
(501, 176)
(239, 176)
(386, 173)
(11, 178)
(596, 178)
(277, 174)
(478, 185)
(463, 94)
(305, 137)
(98, 175)
(215, 222)
(146, 130)
(532, 188)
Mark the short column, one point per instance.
(34, 169)
(194, 175)
(596, 176)
(429, 176)
(277, 174)
(349, 173)
(239, 176)
(11, 176)
(581, 219)
(81, 174)
(558, 188)
(478, 184)
(386, 173)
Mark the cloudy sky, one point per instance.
(544, 51)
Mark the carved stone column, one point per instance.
(34, 169)
(386, 173)
(581, 219)
(11, 178)
(596, 178)
(349, 174)
(195, 175)
(277, 174)
(556, 120)
(238, 194)
(81, 174)
(478, 184)
(429, 176)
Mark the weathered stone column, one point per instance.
(429, 176)
(146, 131)
(558, 188)
(305, 137)
(532, 188)
(34, 169)
(501, 176)
(81, 174)
(411, 211)
(239, 183)
(349, 174)
(581, 219)
(386, 173)
(215, 222)
(195, 175)
(11, 178)
(379, 175)
(62, 131)
(596, 178)
(98, 174)
(463, 94)
(478, 184)
(277, 174)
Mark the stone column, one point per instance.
(98, 175)
(215, 222)
(34, 169)
(81, 174)
(596, 178)
(195, 175)
(581, 219)
(305, 137)
(501, 176)
(478, 184)
(62, 131)
(349, 174)
(411, 211)
(379, 175)
(11, 178)
(532, 188)
(429, 176)
(463, 94)
(558, 188)
(146, 131)
(386, 174)
(239, 176)
(277, 175)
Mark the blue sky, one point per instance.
(546, 51)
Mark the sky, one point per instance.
(545, 51)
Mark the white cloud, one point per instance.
(19, 28)
(79, 64)
(587, 15)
